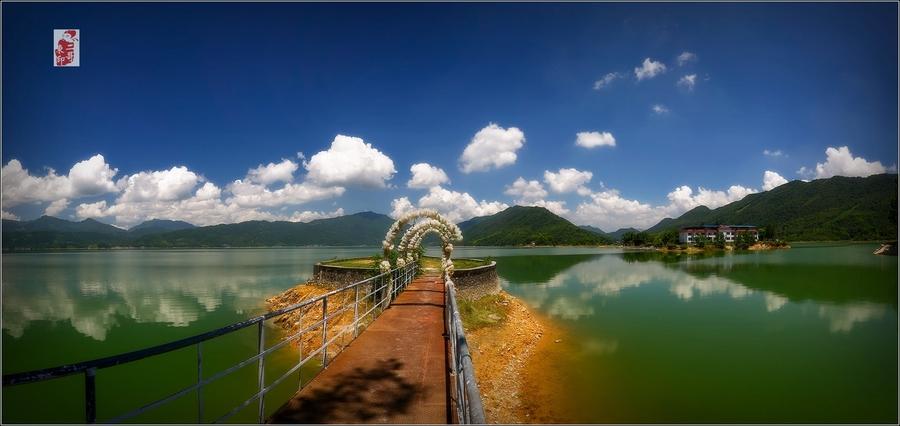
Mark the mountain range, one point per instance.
(837, 208)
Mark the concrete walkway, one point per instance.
(394, 372)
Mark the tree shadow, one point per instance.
(361, 395)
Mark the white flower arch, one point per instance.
(412, 238)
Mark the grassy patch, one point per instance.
(358, 262)
(484, 312)
(435, 263)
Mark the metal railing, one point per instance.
(467, 396)
(377, 286)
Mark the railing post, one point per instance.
(90, 395)
(262, 370)
(324, 331)
(300, 362)
(356, 312)
(199, 380)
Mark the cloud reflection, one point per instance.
(571, 293)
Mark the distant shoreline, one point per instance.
(124, 248)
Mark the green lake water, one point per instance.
(801, 335)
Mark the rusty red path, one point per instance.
(394, 372)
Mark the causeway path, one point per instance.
(394, 372)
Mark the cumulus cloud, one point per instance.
(609, 211)
(456, 206)
(91, 210)
(401, 206)
(567, 180)
(841, 162)
(272, 172)
(594, 139)
(249, 194)
(659, 109)
(492, 147)
(686, 57)
(684, 198)
(56, 207)
(526, 190)
(163, 185)
(606, 80)
(7, 215)
(425, 175)
(557, 207)
(773, 153)
(350, 161)
(649, 69)
(86, 178)
(687, 82)
(772, 180)
(308, 216)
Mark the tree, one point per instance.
(720, 240)
(668, 238)
(743, 240)
(701, 240)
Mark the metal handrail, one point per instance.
(395, 281)
(469, 408)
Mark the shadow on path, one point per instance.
(359, 396)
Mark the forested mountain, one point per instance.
(519, 225)
(837, 208)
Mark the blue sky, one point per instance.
(183, 100)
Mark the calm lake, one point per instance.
(801, 335)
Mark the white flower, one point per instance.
(385, 266)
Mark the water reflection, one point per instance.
(93, 291)
(575, 287)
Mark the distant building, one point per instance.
(688, 234)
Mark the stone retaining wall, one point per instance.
(332, 276)
(471, 283)
(474, 283)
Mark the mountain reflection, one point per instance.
(844, 295)
(95, 291)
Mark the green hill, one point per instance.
(365, 228)
(519, 225)
(156, 226)
(837, 208)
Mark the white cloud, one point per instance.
(89, 177)
(350, 161)
(308, 216)
(7, 215)
(567, 180)
(557, 207)
(401, 206)
(248, 194)
(686, 57)
(56, 207)
(425, 175)
(527, 191)
(609, 211)
(456, 206)
(659, 109)
(841, 162)
(649, 69)
(688, 81)
(772, 180)
(92, 177)
(163, 185)
(91, 210)
(272, 172)
(594, 139)
(683, 198)
(492, 147)
(606, 80)
(774, 153)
